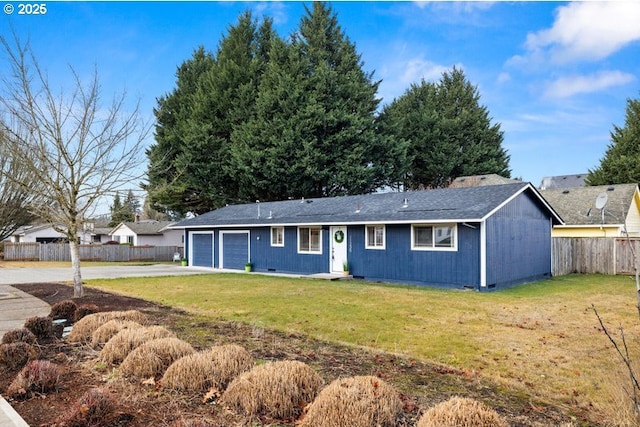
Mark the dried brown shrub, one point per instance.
(16, 354)
(192, 422)
(83, 329)
(215, 367)
(361, 401)
(64, 310)
(84, 310)
(127, 340)
(278, 389)
(41, 327)
(39, 376)
(19, 335)
(95, 408)
(461, 412)
(105, 332)
(152, 358)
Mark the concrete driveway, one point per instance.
(10, 276)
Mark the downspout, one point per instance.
(483, 255)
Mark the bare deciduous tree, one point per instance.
(14, 199)
(77, 149)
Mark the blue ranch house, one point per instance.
(482, 238)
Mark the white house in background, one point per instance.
(44, 233)
(152, 233)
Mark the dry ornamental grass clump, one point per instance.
(277, 389)
(105, 332)
(19, 335)
(362, 401)
(215, 367)
(84, 310)
(41, 327)
(127, 340)
(64, 310)
(96, 408)
(83, 330)
(16, 354)
(152, 358)
(461, 412)
(39, 376)
(192, 422)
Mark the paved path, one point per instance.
(10, 276)
(17, 306)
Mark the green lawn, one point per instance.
(542, 337)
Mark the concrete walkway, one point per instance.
(17, 306)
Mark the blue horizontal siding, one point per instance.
(265, 257)
(398, 263)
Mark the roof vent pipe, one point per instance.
(405, 203)
(258, 203)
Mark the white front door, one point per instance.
(338, 248)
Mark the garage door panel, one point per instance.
(202, 250)
(235, 250)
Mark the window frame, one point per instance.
(454, 237)
(310, 228)
(279, 229)
(375, 246)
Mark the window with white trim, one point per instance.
(433, 237)
(375, 237)
(277, 236)
(310, 240)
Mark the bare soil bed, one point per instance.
(421, 385)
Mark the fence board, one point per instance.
(587, 255)
(109, 253)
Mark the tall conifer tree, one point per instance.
(621, 162)
(449, 133)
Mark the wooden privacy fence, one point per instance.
(589, 255)
(61, 252)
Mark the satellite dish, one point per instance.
(601, 200)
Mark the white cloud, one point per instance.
(458, 6)
(504, 77)
(585, 31)
(397, 75)
(274, 9)
(565, 87)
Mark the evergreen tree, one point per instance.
(167, 186)
(132, 204)
(621, 162)
(201, 175)
(449, 133)
(119, 212)
(314, 132)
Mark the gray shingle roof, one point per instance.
(147, 227)
(441, 205)
(576, 206)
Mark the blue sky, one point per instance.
(555, 75)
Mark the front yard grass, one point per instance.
(541, 338)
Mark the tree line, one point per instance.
(264, 118)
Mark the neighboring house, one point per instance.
(583, 217)
(100, 235)
(478, 180)
(44, 233)
(482, 237)
(563, 181)
(152, 233)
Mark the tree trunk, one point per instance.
(78, 292)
